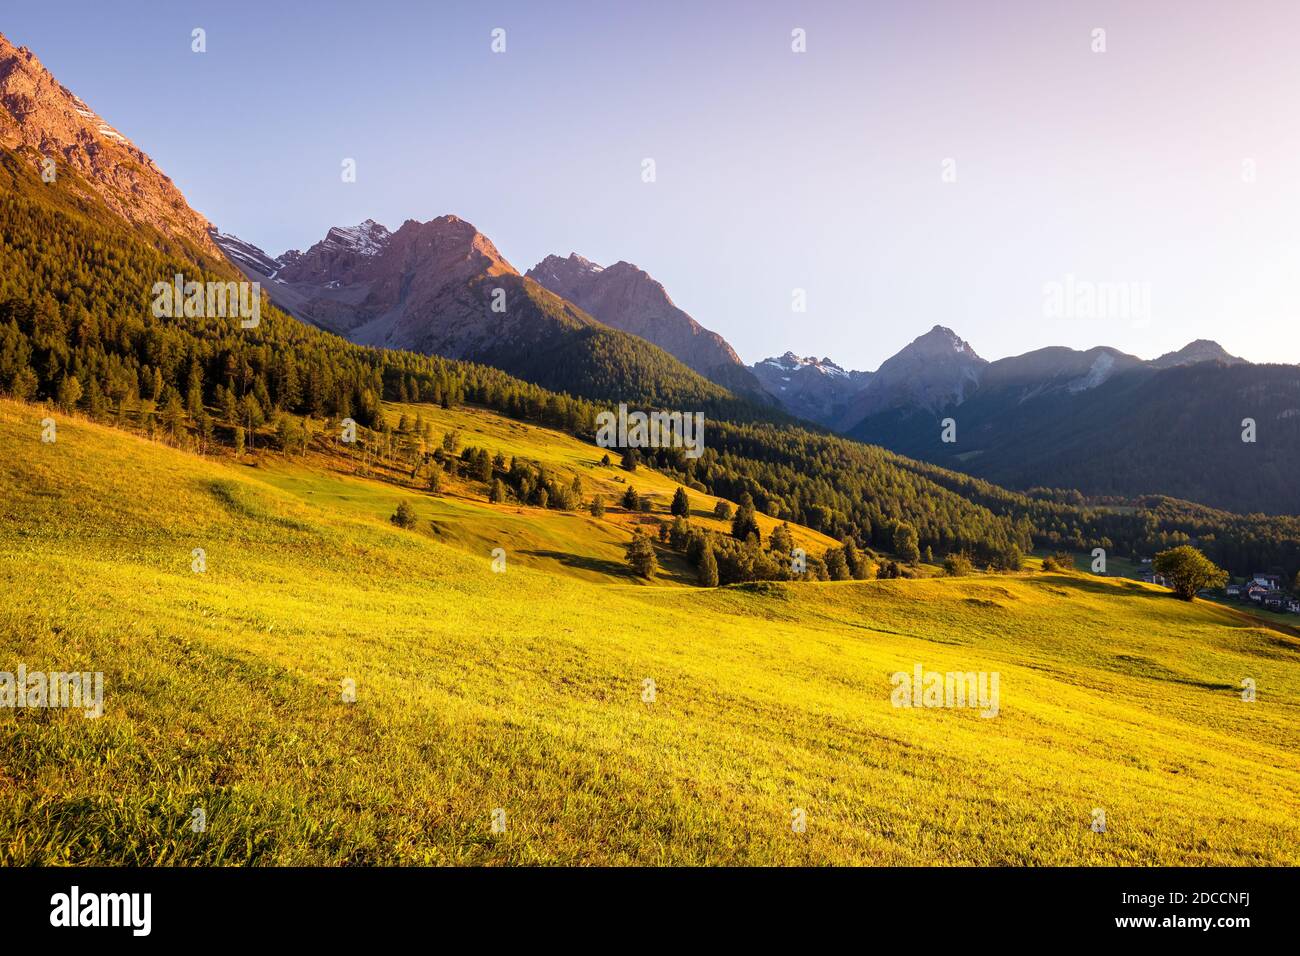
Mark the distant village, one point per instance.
(1261, 588)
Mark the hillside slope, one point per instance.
(566, 542)
(525, 691)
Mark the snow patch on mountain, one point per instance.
(1101, 370)
(789, 362)
(367, 239)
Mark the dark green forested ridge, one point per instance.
(1174, 431)
(76, 328)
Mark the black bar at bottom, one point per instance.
(534, 905)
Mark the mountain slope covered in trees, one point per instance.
(1175, 431)
(76, 328)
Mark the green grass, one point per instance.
(523, 690)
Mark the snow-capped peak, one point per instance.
(789, 362)
(367, 239)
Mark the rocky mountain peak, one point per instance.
(1200, 350)
(790, 363)
(367, 239)
(626, 297)
(41, 119)
(940, 341)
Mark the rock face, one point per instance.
(815, 389)
(439, 287)
(625, 297)
(41, 119)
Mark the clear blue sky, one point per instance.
(776, 170)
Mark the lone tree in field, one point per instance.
(631, 500)
(1188, 571)
(630, 459)
(404, 516)
(641, 556)
(681, 504)
(598, 507)
(722, 511)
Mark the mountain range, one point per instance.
(1100, 420)
(429, 287)
(940, 370)
(441, 287)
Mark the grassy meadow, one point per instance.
(526, 690)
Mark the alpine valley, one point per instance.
(366, 587)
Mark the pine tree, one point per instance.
(173, 416)
(835, 564)
(229, 405)
(854, 560)
(782, 540)
(251, 414)
(681, 505)
(641, 556)
(598, 507)
(69, 392)
(745, 523)
(25, 384)
(194, 390)
(905, 545)
(708, 569)
(631, 501)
